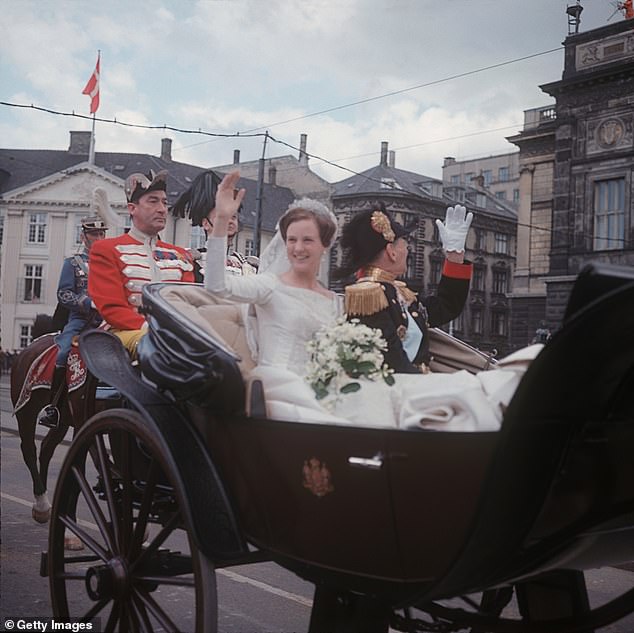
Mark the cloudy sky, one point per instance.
(433, 78)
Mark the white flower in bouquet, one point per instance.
(342, 354)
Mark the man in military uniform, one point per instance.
(377, 249)
(197, 203)
(121, 266)
(237, 263)
(72, 295)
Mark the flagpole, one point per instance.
(91, 151)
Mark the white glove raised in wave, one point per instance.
(453, 232)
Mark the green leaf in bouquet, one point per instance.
(351, 387)
(366, 367)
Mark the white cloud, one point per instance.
(234, 65)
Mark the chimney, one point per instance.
(166, 149)
(236, 156)
(303, 157)
(273, 175)
(383, 162)
(391, 158)
(449, 160)
(79, 142)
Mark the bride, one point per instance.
(291, 305)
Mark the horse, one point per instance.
(30, 393)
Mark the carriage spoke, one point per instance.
(174, 581)
(124, 617)
(145, 626)
(103, 468)
(94, 508)
(113, 619)
(126, 500)
(94, 610)
(159, 614)
(144, 510)
(157, 541)
(73, 526)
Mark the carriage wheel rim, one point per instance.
(124, 571)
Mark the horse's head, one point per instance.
(43, 324)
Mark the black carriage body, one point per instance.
(431, 513)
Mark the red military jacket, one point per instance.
(121, 266)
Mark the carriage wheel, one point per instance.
(140, 569)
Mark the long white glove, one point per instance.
(453, 233)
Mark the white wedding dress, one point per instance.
(286, 318)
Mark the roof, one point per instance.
(472, 197)
(386, 180)
(20, 167)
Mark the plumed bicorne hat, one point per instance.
(367, 234)
(199, 199)
(137, 185)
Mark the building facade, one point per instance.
(45, 193)
(577, 172)
(498, 173)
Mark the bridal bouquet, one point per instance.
(343, 354)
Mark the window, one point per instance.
(37, 228)
(468, 177)
(479, 273)
(77, 230)
(609, 214)
(503, 174)
(436, 271)
(410, 273)
(32, 283)
(1, 227)
(480, 240)
(249, 247)
(500, 281)
(436, 237)
(455, 179)
(476, 320)
(498, 323)
(197, 237)
(481, 200)
(500, 195)
(389, 183)
(502, 243)
(516, 195)
(25, 336)
(487, 174)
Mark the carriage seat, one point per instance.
(196, 347)
(222, 320)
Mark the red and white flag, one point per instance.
(92, 88)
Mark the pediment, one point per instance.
(73, 186)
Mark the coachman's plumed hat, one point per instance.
(368, 233)
(93, 223)
(199, 199)
(137, 185)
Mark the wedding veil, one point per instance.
(274, 260)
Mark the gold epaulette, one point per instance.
(365, 298)
(405, 292)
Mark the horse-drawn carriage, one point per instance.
(190, 476)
